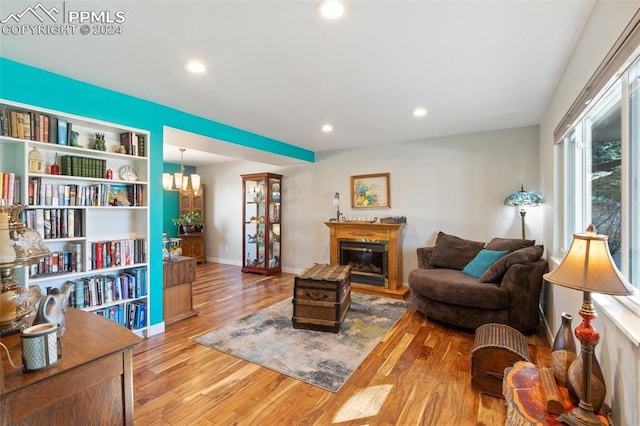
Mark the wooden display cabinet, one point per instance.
(193, 244)
(261, 218)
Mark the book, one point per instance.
(45, 128)
(53, 130)
(4, 121)
(142, 145)
(70, 223)
(62, 131)
(39, 222)
(79, 291)
(118, 195)
(66, 165)
(47, 223)
(126, 140)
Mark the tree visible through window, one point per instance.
(606, 190)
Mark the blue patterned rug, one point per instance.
(323, 359)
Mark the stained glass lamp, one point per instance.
(523, 200)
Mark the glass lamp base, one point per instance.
(17, 325)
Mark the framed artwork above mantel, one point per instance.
(370, 191)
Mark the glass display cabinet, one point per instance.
(261, 223)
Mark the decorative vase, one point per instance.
(563, 352)
(598, 387)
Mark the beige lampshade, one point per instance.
(589, 267)
(195, 182)
(167, 181)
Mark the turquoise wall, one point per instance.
(34, 86)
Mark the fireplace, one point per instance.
(368, 260)
(384, 240)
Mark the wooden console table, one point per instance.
(92, 383)
(177, 297)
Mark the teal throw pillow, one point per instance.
(483, 260)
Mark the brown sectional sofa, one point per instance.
(508, 292)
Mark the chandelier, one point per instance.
(180, 180)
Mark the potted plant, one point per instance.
(189, 222)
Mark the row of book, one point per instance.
(99, 290)
(34, 126)
(58, 262)
(76, 165)
(132, 315)
(10, 188)
(109, 254)
(41, 127)
(69, 195)
(55, 223)
(134, 144)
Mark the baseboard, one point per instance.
(155, 329)
(547, 330)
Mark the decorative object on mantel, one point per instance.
(360, 219)
(370, 191)
(393, 219)
(588, 267)
(523, 200)
(564, 351)
(336, 204)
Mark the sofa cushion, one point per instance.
(524, 255)
(453, 252)
(483, 260)
(511, 244)
(455, 288)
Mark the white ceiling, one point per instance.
(276, 69)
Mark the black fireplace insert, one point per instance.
(368, 260)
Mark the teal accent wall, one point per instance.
(171, 203)
(29, 85)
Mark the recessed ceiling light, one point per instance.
(327, 128)
(330, 9)
(195, 67)
(419, 112)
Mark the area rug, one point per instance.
(323, 359)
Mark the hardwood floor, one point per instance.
(418, 375)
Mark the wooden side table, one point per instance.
(179, 276)
(92, 383)
(526, 400)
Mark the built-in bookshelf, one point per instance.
(84, 183)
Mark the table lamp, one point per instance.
(19, 246)
(336, 204)
(588, 267)
(523, 200)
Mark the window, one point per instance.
(601, 155)
(633, 182)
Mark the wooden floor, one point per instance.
(418, 375)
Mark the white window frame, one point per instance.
(623, 311)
